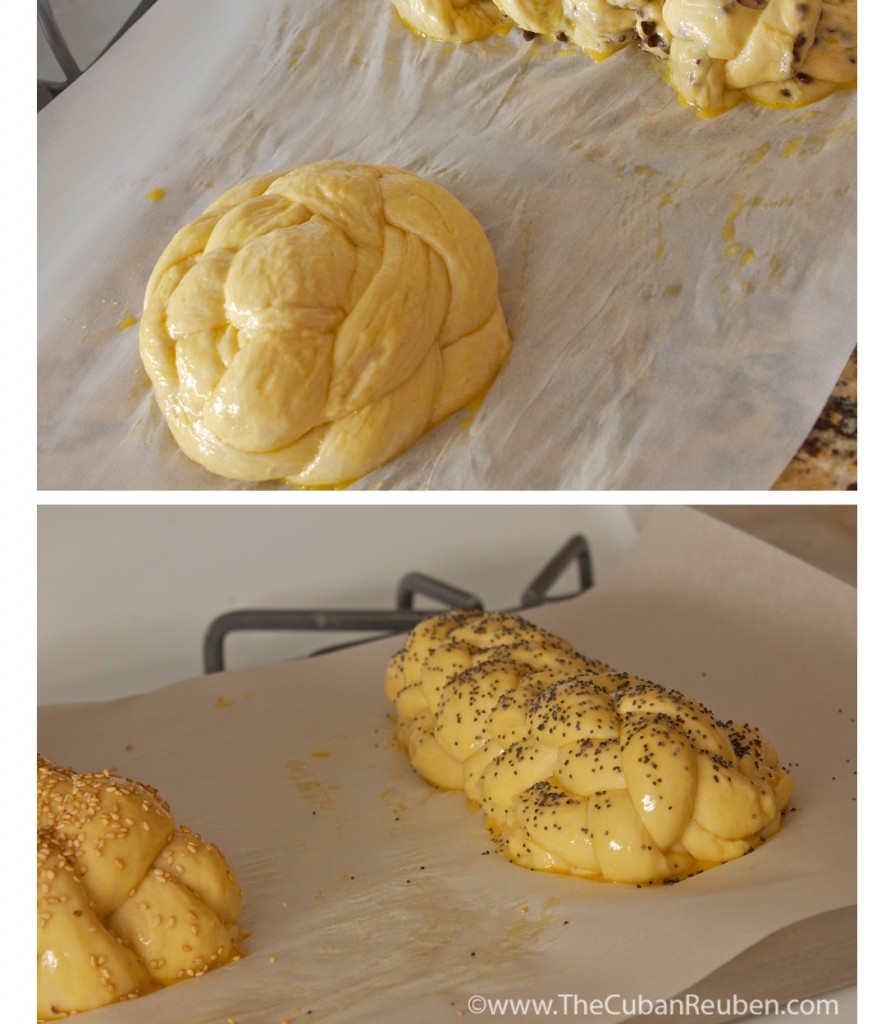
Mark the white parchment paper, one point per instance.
(370, 896)
(681, 292)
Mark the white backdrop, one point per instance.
(125, 593)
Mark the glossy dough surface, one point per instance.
(781, 53)
(452, 21)
(126, 901)
(311, 325)
(579, 768)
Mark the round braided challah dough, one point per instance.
(311, 325)
(126, 901)
(579, 768)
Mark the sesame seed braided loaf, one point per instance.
(126, 901)
(579, 768)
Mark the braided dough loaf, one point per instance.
(579, 768)
(311, 325)
(126, 902)
(452, 21)
(599, 27)
(780, 53)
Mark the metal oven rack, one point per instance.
(403, 617)
(52, 32)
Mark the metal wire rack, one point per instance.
(52, 32)
(389, 621)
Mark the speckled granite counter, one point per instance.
(828, 459)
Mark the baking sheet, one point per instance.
(681, 292)
(372, 897)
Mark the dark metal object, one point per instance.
(575, 549)
(390, 621)
(297, 620)
(417, 583)
(53, 35)
(46, 91)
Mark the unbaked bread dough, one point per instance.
(599, 27)
(126, 901)
(780, 53)
(311, 325)
(452, 21)
(579, 768)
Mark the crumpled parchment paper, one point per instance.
(681, 292)
(370, 896)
